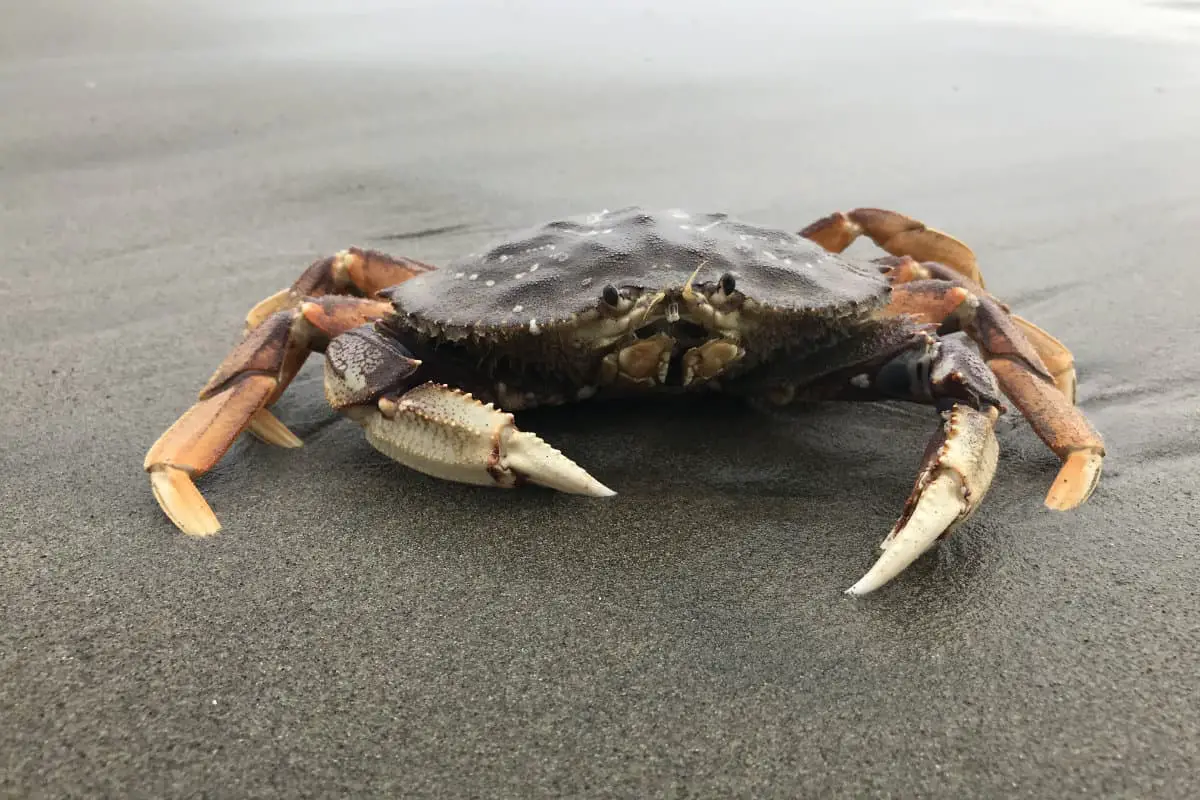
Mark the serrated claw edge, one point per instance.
(531, 458)
(447, 433)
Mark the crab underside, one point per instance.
(432, 363)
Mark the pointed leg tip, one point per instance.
(201, 528)
(182, 502)
(267, 427)
(1076, 480)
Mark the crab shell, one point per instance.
(563, 294)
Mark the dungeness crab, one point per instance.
(431, 362)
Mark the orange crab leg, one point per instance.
(1035, 370)
(353, 271)
(236, 398)
(1056, 358)
(1022, 375)
(896, 233)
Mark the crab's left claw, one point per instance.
(448, 434)
(957, 471)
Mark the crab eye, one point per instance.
(728, 284)
(611, 296)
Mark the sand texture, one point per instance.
(361, 630)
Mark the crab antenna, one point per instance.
(658, 298)
(688, 293)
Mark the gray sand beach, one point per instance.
(361, 630)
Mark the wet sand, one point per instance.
(360, 630)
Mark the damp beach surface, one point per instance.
(357, 629)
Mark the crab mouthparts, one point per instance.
(684, 331)
(677, 353)
(672, 314)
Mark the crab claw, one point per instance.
(958, 469)
(527, 456)
(449, 434)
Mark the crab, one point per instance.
(433, 363)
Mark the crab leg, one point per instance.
(435, 429)
(353, 271)
(1035, 370)
(1056, 358)
(236, 398)
(1022, 374)
(897, 234)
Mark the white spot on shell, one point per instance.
(474, 276)
(534, 268)
(586, 282)
(519, 275)
(489, 283)
(559, 257)
(503, 259)
(533, 327)
(607, 230)
(518, 309)
(459, 274)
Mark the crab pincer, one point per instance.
(957, 470)
(435, 429)
(448, 434)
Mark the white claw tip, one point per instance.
(529, 456)
(600, 490)
(940, 506)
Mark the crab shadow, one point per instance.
(701, 482)
(712, 445)
(713, 464)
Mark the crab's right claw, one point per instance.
(449, 434)
(958, 469)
